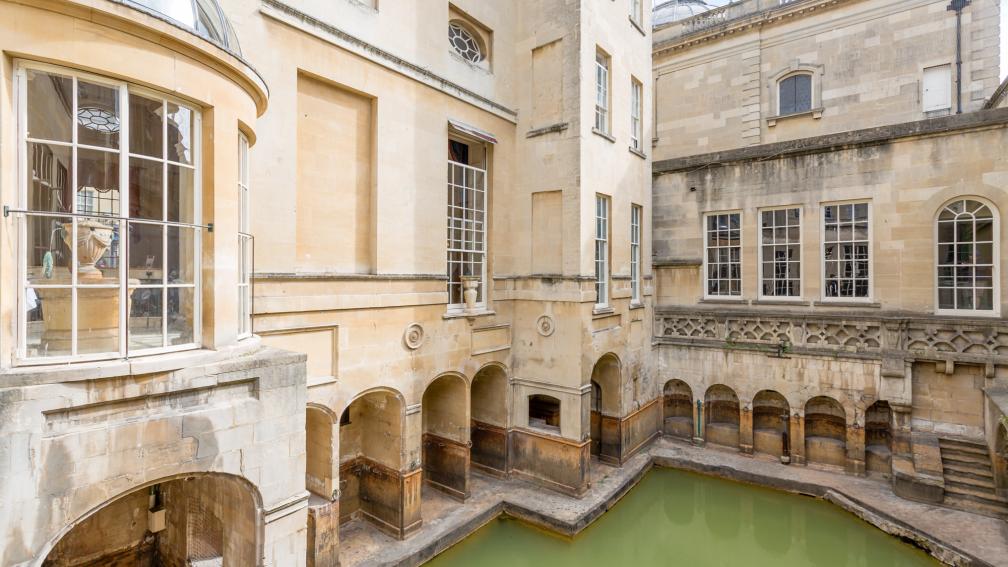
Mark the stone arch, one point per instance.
(771, 419)
(445, 448)
(370, 456)
(721, 416)
(677, 409)
(1000, 458)
(825, 431)
(878, 438)
(489, 395)
(321, 462)
(205, 515)
(606, 407)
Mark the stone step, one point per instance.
(971, 469)
(974, 491)
(978, 506)
(965, 458)
(953, 477)
(962, 445)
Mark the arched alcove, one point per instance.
(825, 432)
(489, 409)
(677, 409)
(606, 407)
(770, 422)
(721, 416)
(445, 410)
(878, 438)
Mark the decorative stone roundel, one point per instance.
(545, 325)
(464, 43)
(413, 337)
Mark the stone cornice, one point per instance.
(946, 125)
(744, 22)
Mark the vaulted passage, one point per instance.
(677, 409)
(372, 483)
(825, 432)
(446, 436)
(878, 438)
(721, 416)
(488, 431)
(207, 518)
(606, 409)
(770, 423)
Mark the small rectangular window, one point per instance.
(636, 13)
(780, 253)
(846, 251)
(635, 113)
(602, 92)
(795, 94)
(723, 254)
(602, 250)
(937, 86)
(635, 253)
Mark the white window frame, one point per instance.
(995, 311)
(742, 243)
(636, 216)
(603, 209)
(761, 260)
(636, 114)
(124, 90)
(481, 302)
(244, 241)
(602, 97)
(871, 252)
(636, 11)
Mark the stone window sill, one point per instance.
(598, 132)
(637, 152)
(725, 300)
(552, 128)
(815, 113)
(636, 306)
(465, 315)
(637, 25)
(603, 311)
(797, 302)
(861, 304)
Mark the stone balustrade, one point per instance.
(891, 338)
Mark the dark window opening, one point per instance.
(544, 411)
(345, 418)
(795, 94)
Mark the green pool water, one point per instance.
(679, 518)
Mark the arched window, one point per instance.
(967, 262)
(795, 94)
(465, 42)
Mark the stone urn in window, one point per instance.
(470, 291)
(97, 307)
(93, 239)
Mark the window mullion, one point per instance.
(73, 222)
(123, 225)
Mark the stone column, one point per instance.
(323, 535)
(698, 439)
(856, 448)
(798, 438)
(745, 430)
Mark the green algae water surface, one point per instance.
(679, 518)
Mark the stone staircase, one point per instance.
(969, 478)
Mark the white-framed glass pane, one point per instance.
(146, 253)
(50, 106)
(846, 251)
(780, 252)
(602, 250)
(181, 312)
(966, 261)
(98, 116)
(146, 318)
(98, 320)
(723, 244)
(51, 175)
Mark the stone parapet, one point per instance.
(892, 339)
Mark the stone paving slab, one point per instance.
(955, 537)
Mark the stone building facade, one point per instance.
(444, 207)
(827, 234)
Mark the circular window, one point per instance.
(464, 42)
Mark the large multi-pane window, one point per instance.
(636, 110)
(635, 253)
(967, 259)
(244, 242)
(109, 238)
(847, 251)
(602, 92)
(780, 252)
(601, 250)
(466, 225)
(723, 255)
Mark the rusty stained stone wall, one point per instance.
(446, 465)
(323, 535)
(489, 448)
(386, 497)
(116, 534)
(554, 462)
